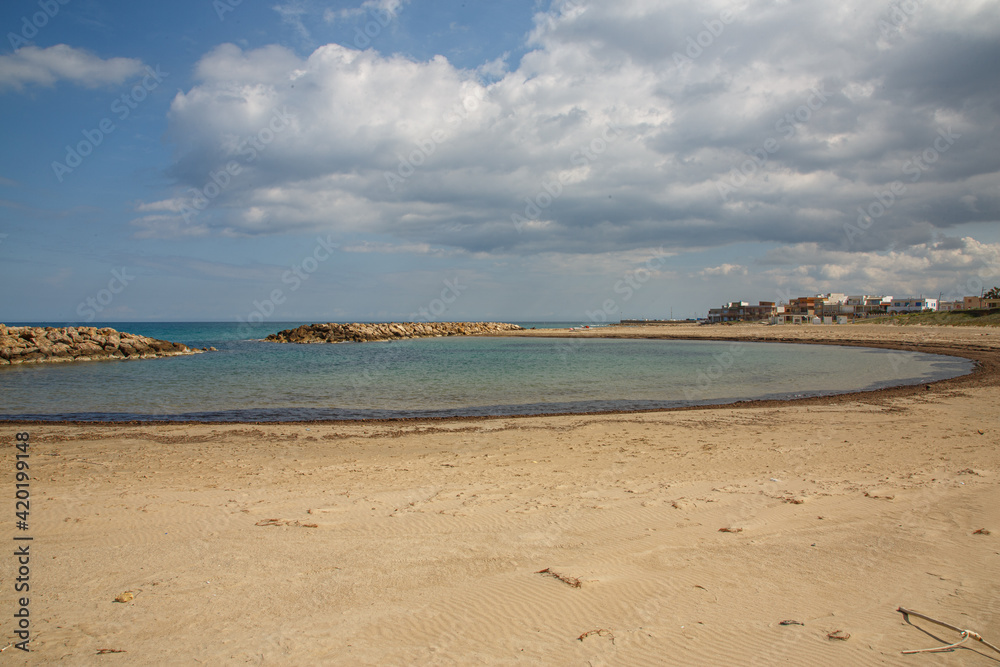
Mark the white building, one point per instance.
(832, 298)
(912, 305)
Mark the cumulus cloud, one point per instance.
(846, 127)
(953, 267)
(44, 67)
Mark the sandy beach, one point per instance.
(658, 538)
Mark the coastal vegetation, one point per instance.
(955, 318)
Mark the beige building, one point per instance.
(978, 302)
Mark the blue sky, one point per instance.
(567, 160)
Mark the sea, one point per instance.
(248, 380)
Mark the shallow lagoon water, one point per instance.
(249, 380)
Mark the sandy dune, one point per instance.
(422, 542)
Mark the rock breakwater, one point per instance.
(33, 345)
(366, 332)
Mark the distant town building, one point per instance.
(837, 308)
(979, 302)
(833, 297)
(865, 305)
(832, 308)
(742, 311)
(912, 305)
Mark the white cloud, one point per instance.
(44, 67)
(291, 14)
(956, 267)
(399, 248)
(166, 227)
(496, 68)
(725, 270)
(381, 9)
(600, 141)
(173, 205)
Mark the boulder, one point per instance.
(86, 348)
(60, 350)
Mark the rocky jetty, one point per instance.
(365, 332)
(33, 345)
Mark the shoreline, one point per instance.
(576, 539)
(985, 372)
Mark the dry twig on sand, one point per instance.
(571, 581)
(966, 634)
(600, 633)
(285, 522)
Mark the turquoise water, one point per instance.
(248, 380)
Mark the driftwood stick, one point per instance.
(907, 612)
(966, 634)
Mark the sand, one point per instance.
(423, 542)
